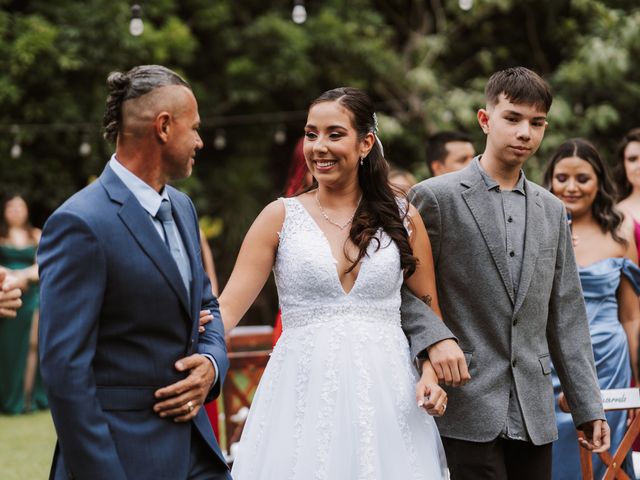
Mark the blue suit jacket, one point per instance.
(114, 319)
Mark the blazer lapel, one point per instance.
(535, 214)
(479, 203)
(137, 221)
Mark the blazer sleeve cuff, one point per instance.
(587, 413)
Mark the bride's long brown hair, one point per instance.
(379, 206)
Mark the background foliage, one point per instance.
(254, 72)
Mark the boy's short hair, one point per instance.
(519, 85)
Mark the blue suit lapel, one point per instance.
(137, 221)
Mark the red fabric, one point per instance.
(296, 178)
(277, 328)
(212, 412)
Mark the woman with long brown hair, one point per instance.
(339, 397)
(606, 255)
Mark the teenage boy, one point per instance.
(509, 291)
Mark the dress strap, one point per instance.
(403, 207)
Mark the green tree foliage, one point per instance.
(254, 73)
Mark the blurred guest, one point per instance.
(298, 179)
(20, 386)
(401, 179)
(10, 294)
(628, 178)
(448, 151)
(606, 255)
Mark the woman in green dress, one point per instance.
(20, 386)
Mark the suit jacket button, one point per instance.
(515, 320)
(513, 363)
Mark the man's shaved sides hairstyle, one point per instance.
(131, 85)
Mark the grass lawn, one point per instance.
(26, 446)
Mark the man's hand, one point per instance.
(182, 400)
(597, 436)
(9, 295)
(449, 363)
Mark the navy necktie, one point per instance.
(171, 239)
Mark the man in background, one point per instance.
(448, 151)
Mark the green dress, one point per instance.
(14, 340)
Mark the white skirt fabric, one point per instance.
(337, 401)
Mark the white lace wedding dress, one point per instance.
(337, 399)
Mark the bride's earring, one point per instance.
(362, 160)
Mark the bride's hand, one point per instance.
(429, 394)
(205, 317)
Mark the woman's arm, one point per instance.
(629, 315)
(253, 265)
(423, 282)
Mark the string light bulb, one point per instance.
(220, 140)
(16, 150)
(299, 13)
(465, 5)
(85, 148)
(136, 27)
(280, 135)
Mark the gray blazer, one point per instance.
(503, 334)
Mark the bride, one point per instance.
(340, 398)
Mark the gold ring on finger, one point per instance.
(190, 406)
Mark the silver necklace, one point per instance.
(332, 222)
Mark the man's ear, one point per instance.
(483, 120)
(162, 125)
(436, 168)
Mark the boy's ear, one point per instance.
(483, 120)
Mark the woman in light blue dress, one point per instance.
(606, 254)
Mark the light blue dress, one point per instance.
(600, 283)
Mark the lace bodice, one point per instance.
(308, 285)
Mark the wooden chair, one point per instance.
(618, 399)
(249, 349)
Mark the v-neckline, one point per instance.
(328, 245)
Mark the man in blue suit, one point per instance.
(122, 285)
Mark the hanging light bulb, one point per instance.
(280, 136)
(85, 148)
(299, 13)
(465, 4)
(136, 27)
(220, 140)
(16, 150)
